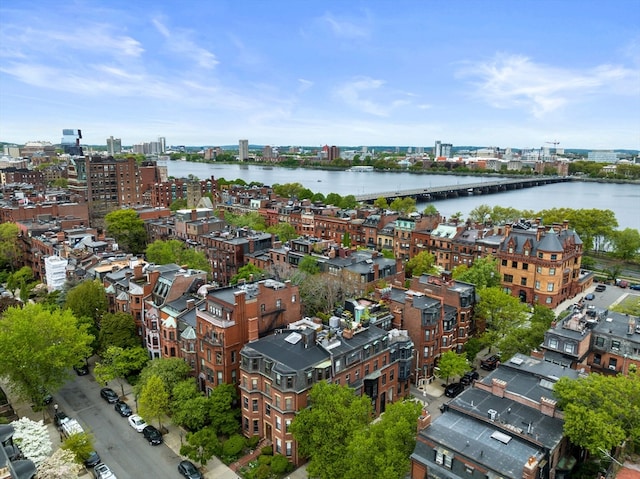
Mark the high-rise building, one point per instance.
(70, 142)
(442, 150)
(163, 144)
(243, 150)
(114, 145)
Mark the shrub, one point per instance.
(253, 441)
(233, 446)
(280, 464)
(267, 450)
(265, 460)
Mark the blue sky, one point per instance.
(406, 73)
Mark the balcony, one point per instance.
(215, 320)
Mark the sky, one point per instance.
(520, 74)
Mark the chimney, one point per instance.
(253, 329)
(153, 278)
(137, 272)
(498, 387)
(194, 215)
(547, 406)
(530, 470)
(565, 225)
(424, 421)
(632, 326)
(191, 303)
(540, 232)
(376, 270)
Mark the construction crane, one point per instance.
(554, 154)
(555, 143)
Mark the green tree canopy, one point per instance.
(178, 204)
(452, 364)
(626, 243)
(595, 227)
(39, 346)
(284, 231)
(20, 279)
(309, 264)
(118, 329)
(381, 203)
(529, 336)
(502, 313)
(118, 363)
(87, 299)
(153, 402)
(422, 263)
(251, 220)
(172, 371)
(324, 430)
(128, 230)
(248, 272)
(80, 444)
(484, 273)
(383, 449)
(404, 206)
(223, 414)
(600, 412)
(430, 210)
(10, 251)
(175, 251)
(201, 445)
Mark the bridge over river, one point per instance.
(454, 191)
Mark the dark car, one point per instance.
(109, 395)
(590, 297)
(600, 288)
(152, 435)
(92, 460)
(490, 363)
(81, 369)
(469, 377)
(59, 417)
(635, 287)
(453, 389)
(189, 470)
(123, 408)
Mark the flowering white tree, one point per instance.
(33, 439)
(60, 465)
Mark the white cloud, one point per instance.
(515, 81)
(347, 29)
(352, 94)
(179, 41)
(304, 84)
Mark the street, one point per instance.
(123, 449)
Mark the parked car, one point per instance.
(453, 389)
(469, 377)
(102, 471)
(189, 470)
(81, 369)
(109, 395)
(635, 287)
(123, 408)
(600, 288)
(590, 297)
(152, 435)
(622, 283)
(490, 363)
(92, 460)
(137, 422)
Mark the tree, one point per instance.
(626, 243)
(481, 214)
(118, 363)
(178, 204)
(128, 230)
(600, 412)
(527, 337)
(32, 438)
(452, 364)
(248, 272)
(422, 263)
(430, 210)
(381, 203)
(484, 273)
(284, 231)
(172, 371)
(10, 252)
(192, 413)
(153, 402)
(346, 240)
(404, 206)
(80, 444)
(223, 413)
(324, 430)
(39, 346)
(502, 313)
(383, 449)
(87, 299)
(201, 445)
(309, 264)
(19, 280)
(60, 465)
(174, 251)
(348, 202)
(118, 329)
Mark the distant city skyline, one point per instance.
(402, 73)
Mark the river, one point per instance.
(622, 199)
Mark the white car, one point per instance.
(102, 471)
(137, 422)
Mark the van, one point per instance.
(600, 288)
(453, 389)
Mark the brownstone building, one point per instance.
(234, 315)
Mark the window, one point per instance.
(254, 405)
(504, 262)
(267, 409)
(554, 257)
(600, 341)
(552, 271)
(537, 284)
(287, 425)
(523, 281)
(448, 460)
(550, 286)
(288, 448)
(538, 269)
(392, 374)
(288, 403)
(615, 345)
(278, 423)
(508, 278)
(553, 343)
(525, 266)
(254, 383)
(218, 357)
(245, 402)
(439, 457)
(569, 348)
(256, 426)
(514, 264)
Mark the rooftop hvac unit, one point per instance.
(492, 414)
